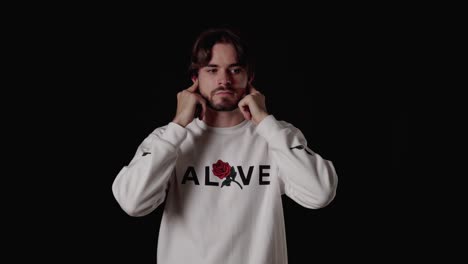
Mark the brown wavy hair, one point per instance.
(202, 49)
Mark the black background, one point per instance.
(108, 80)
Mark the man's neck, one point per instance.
(223, 119)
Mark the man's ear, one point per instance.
(194, 78)
(251, 78)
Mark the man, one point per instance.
(222, 171)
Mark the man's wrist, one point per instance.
(182, 124)
(262, 117)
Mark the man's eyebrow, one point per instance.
(230, 65)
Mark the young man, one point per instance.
(222, 171)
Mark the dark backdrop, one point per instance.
(341, 82)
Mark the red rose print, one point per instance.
(221, 169)
(225, 171)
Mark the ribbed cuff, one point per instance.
(268, 127)
(174, 134)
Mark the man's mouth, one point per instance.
(224, 93)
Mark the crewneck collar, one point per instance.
(223, 130)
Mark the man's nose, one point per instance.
(224, 79)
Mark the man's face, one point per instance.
(223, 81)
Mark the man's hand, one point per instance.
(187, 101)
(253, 106)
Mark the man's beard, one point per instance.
(224, 106)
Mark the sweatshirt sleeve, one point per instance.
(307, 178)
(140, 187)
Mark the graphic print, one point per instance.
(302, 147)
(225, 171)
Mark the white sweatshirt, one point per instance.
(223, 189)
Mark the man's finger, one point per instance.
(247, 115)
(244, 108)
(194, 86)
(252, 89)
(202, 102)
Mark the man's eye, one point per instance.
(236, 70)
(212, 70)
